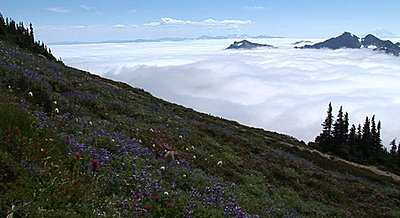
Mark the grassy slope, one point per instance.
(129, 131)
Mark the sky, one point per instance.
(99, 20)
(284, 89)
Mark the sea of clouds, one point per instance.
(285, 90)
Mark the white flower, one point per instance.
(154, 145)
(56, 110)
(90, 123)
(194, 156)
(9, 87)
(166, 193)
(219, 163)
(184, 175)
(112, 140)
(54, 102)
(140, 141)
(180, 136)
(192, 147)
(30, 94)
(162, 168)
(187, 149)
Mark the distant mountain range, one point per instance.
(244, 44)
(349, 40)
(169, 39)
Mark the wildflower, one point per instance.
(180, 136)
(30, 94)
(148, 208)
(137, 195)
(10, 99)
(162, 168)
(57, 111)
(127, 184)
(9, 87)
(54, 102)
(56, 166)
(8, 132)
(156, 198)
(78, 156)
(166, 193)
(184, 175)
(219, 163)
(75, 181)
(169, 205)
(90, 123)
(64, 191)
(154, 145)
(194, 156)
(106, 190)
(95, 165)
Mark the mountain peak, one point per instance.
(245, 44)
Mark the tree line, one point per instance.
(358, 143)
(23, 37)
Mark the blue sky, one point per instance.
(97, 20)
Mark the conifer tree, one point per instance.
(393, 149)
(352, 139)
(366, 138)
(324, 139)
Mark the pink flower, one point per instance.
(16, 129)
(137, 195)
(75, 181)
(169, 205)
(157, 198)
(8, 132)
(56, 166)
(78, 156)
(95, 165)
(148, 208)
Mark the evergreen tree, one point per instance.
(352, 139)
(366, 138)
(393, 149)
(324, 139)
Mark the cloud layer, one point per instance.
(285, 90)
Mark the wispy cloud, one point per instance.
(132, 11)
(57, 10)
(207, 22)
(119, 26)
(85, 7)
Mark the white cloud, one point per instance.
(207, 22)
(85, 7)
(285, 90)
(57, 10)
(119, 26)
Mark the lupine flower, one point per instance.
(78, 156)
(169, 205)
(95, 165)
(148, 208)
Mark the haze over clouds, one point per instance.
(285, 90)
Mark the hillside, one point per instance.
(73, 144)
